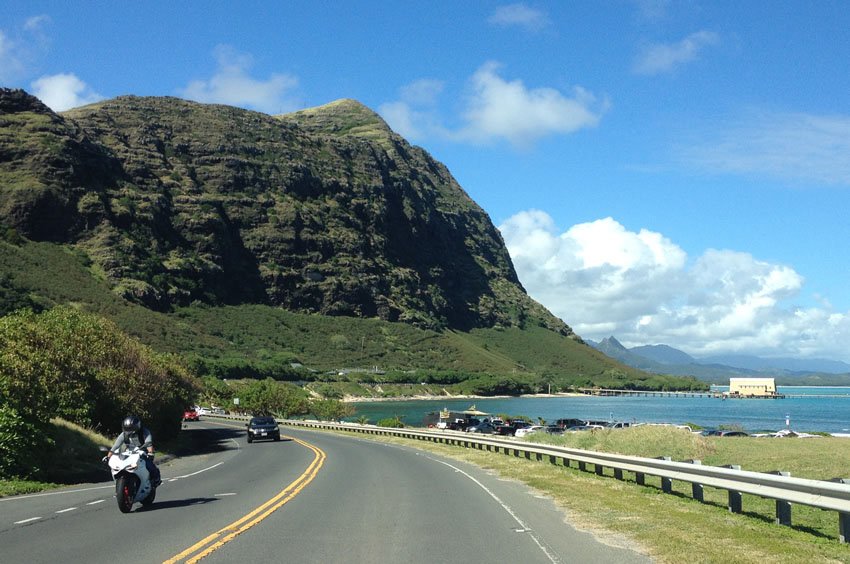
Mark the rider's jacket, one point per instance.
(142, 438)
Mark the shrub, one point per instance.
(20, 440)
(75, 365)
(393, 422)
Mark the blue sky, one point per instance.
(663, 172)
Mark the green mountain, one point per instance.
(181, 215)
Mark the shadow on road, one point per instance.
(174, 503)
(198, 440)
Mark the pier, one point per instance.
(682, 394)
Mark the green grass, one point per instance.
(675, 528)
(73, 458)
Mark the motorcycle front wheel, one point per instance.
(125, 493)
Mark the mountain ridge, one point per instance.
(664, 359)
(325, 210)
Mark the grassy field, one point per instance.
(675, 528)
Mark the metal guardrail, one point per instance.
(781, 487)
(785, 490)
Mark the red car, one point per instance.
(191, 415)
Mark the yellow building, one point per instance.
(761, 387)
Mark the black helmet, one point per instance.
(131, 424)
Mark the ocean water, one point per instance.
(811, 411)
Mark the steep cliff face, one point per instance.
(325, 210)
(47, 165)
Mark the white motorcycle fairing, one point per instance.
(132, 479)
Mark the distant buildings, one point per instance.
(752, 387)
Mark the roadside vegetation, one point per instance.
(80, 367)
(675, 528)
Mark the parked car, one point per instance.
(512, 427)
(619, 425)
(191, 415)
(554, 430)
(484, 427)
(260, 428)
(586, 428)
(722, 433)
(567, 423)
(530, 430)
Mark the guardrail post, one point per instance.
(582, 466)
(783, 508)
(735, 498)
(618, 474)
(640, 478)
(666, 483)
(843, 518)
(697, 490)
(567, 462)
(599, 469)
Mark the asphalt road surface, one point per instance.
(317, 497)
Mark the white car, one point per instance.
(528, 430)
(202, 410)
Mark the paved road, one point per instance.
(316, 498)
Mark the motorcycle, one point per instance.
(132, 480)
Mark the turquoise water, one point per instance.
(829, 414)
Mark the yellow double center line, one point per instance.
(218, 539)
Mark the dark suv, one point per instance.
(260, 428)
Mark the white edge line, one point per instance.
(27, 520)
(13, 498)
(195, 473)
(552, 558)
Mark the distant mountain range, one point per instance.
(664, 359)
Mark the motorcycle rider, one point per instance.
(134, 435)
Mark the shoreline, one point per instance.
(366, 399)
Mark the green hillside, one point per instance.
(257, 336)
(295, 247)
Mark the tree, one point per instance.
(268, 397)
(330, 409)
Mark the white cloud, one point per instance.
(495, 110)
(640, 287)
(36, 24)
(232, 85)
(501, 109)
(64, 91)
(21, 48)
(795, 146)
(652, 10)
(422, 92)
(11, 65)
(519, 15)
(659, 58)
